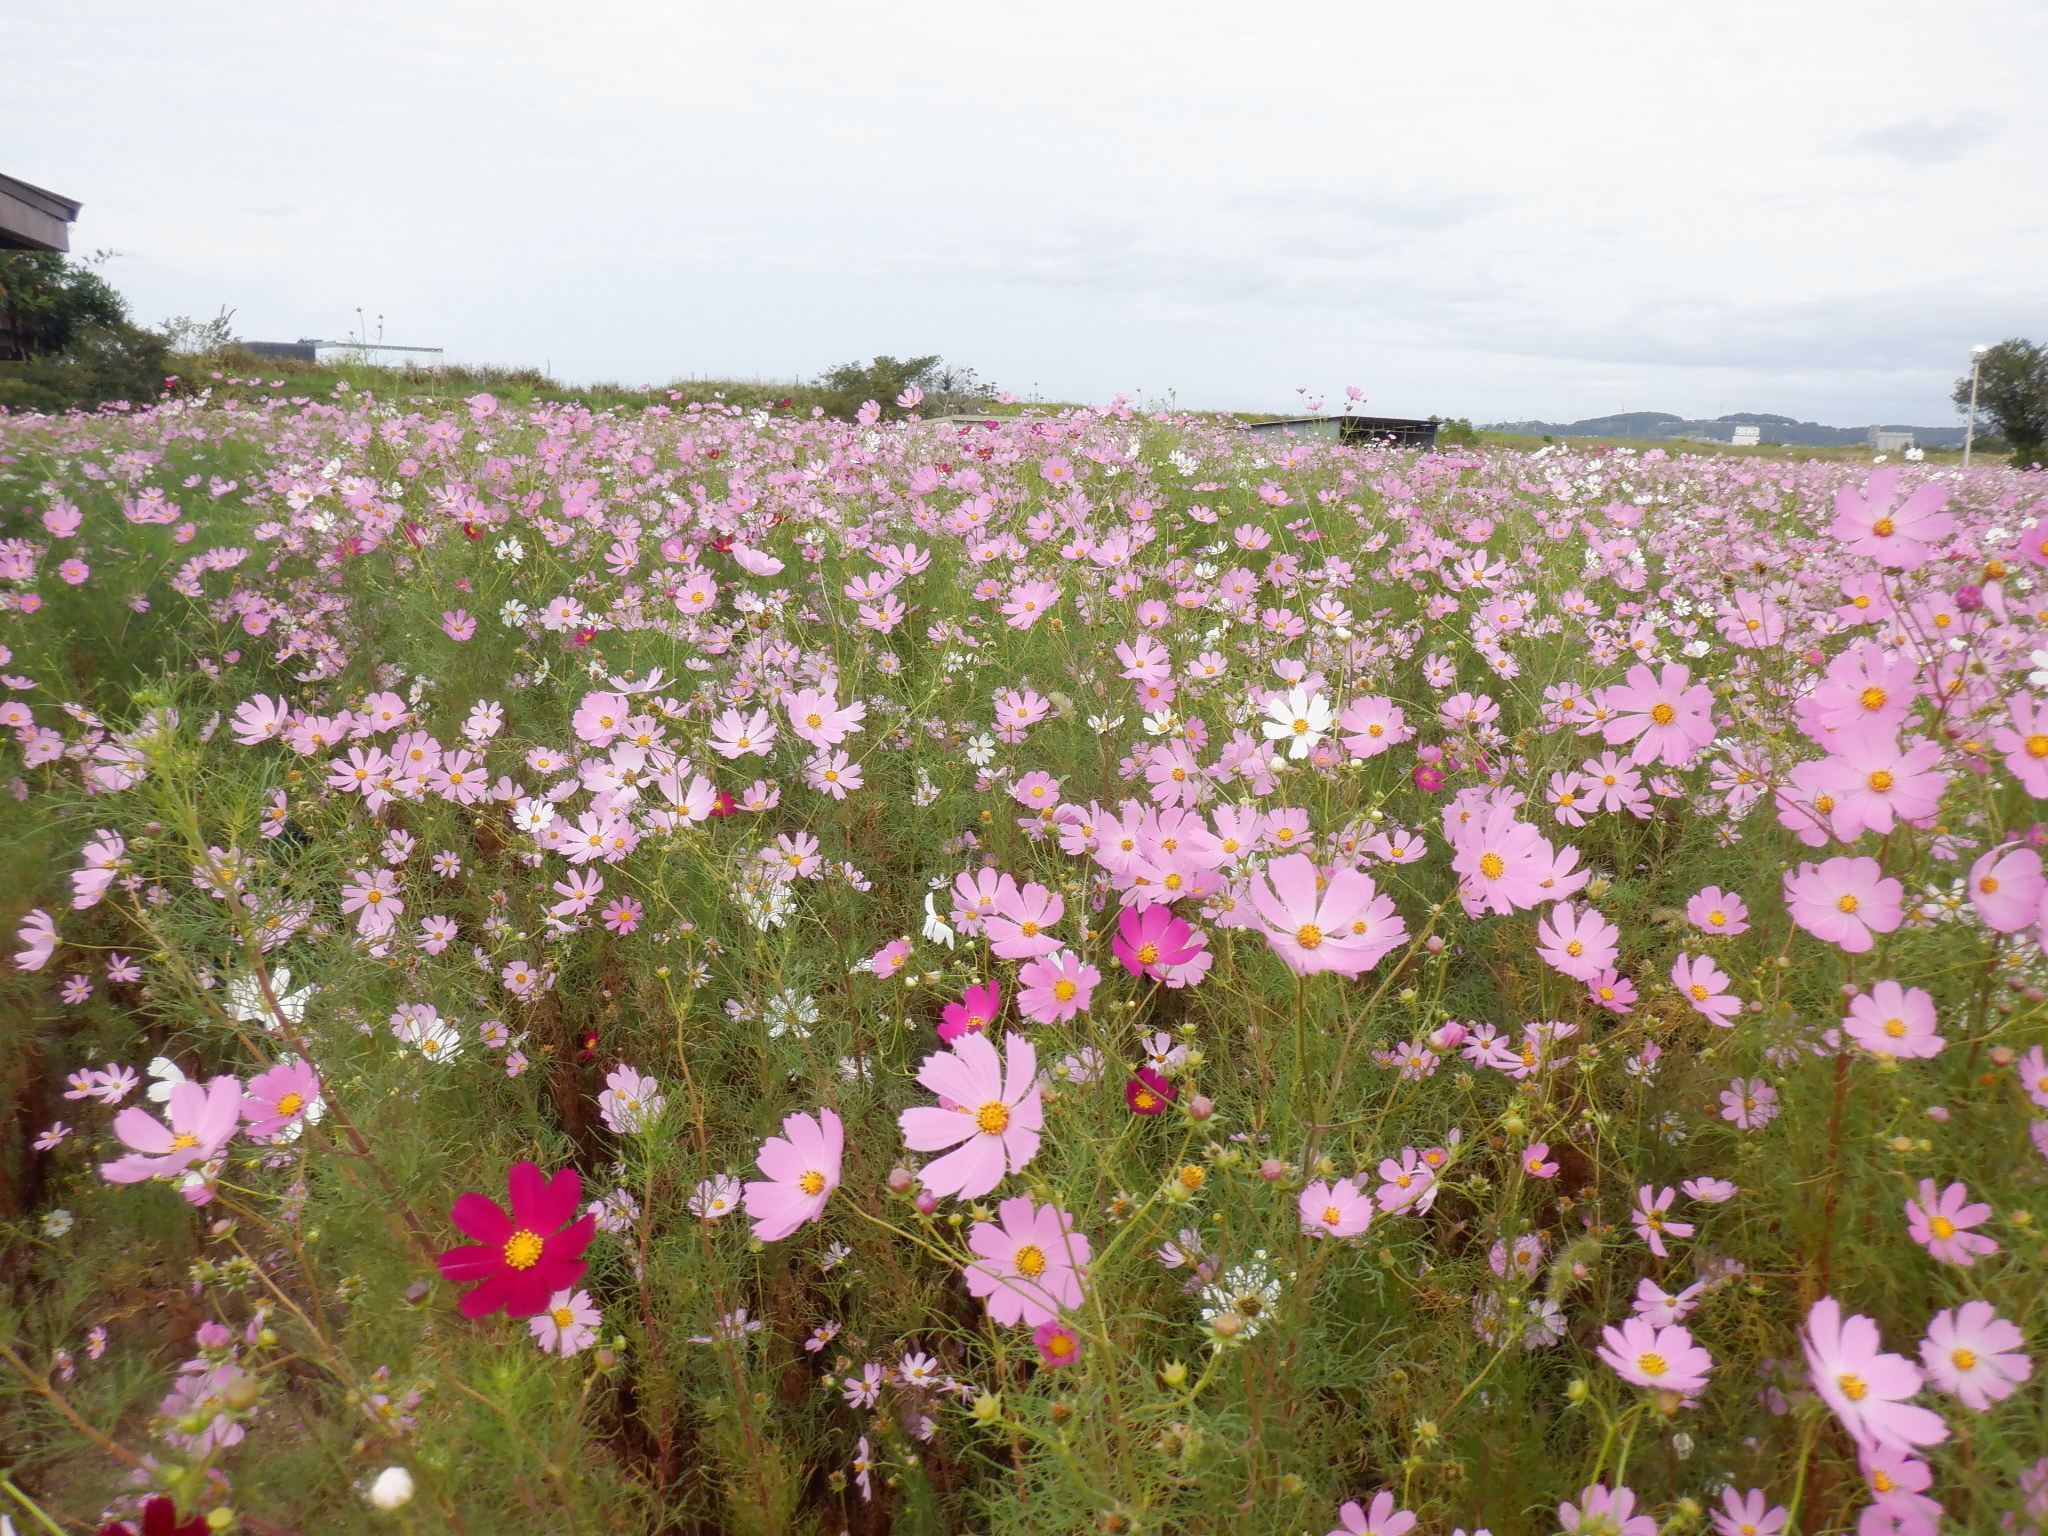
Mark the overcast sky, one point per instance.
(1483, 208)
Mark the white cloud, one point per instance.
(1491, 210)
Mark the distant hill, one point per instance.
(1775, 429)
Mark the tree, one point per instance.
(2012, 390)
(946, 389)
(66, 339)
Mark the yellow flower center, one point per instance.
(1030, 1261)
(1574, 948)
(1873, 696)
(993, 1117)
(1652, 1365)
(1848, 903)
(1059, 1346)
(1301, 727)
(186, 1139)
(1492, 865)
(1028, 928)
(291, 1104)
(1331, 1215)
(1881, 781)
(812, 1182)
(1064, 990)
(2037, 745)
(1963, 1359)
(1699, 993)
(814, 720)
(523, 1249)
(1148, 954)
(1883, 527)
(1895, 1027)
(1308, 935)
(1193, 1175)
(1663, 714)
(1942, 1227)
(1717, 917)
(563, 1317)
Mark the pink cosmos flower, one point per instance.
(1612, 991)
(1382, 1519)
(1667, 715)
(1029, 601)
(1603, 1513)
(977, 1009)
(989, 1115)
(1506, 865)
(1749, 1103)
(1663, 1359)
(281, 1100)
(103, 857)
(1701, 983)
(458, 624)
(38, 935)
(834, 774)
(802, 1165)
(1030, 1262)
(1941, 1224)
(1864, 1386)
(631, 1102)
(2025, 743)
(1017, 927)
(1708, 1190)
(1053, 988)
(1749, 1514)
(1535, 1161)
(1844, 901)
(734, 735)
(1901, 537)
(1335, 1210)
(1371, 725)
(1347, 926)
(568, 1324)
(1714, 910)
(623, 915)
(203, 1120)
(2006, 888)
(1865, 687)
(1650, 1222)
(1580, 944)
(1872, 782)
(1407, 1182)
(1891, 1020)
(818, 718)
(373, 894)
(1974, 1354)
(888, 960)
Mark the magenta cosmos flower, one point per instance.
(989, 1116)
(1335, 1210)
(1030, 1264)
(1155, 943)
(1346, 926)
(802, 1165)
(1148, 1093)
(976, 1010)
(523, 1258)
(1864, 1386)
(1844, 901)
(202, 1119)
(1891, 1020)
(1941, 1224)
(1666, 714)
(1664, 1359)
(1973, 1354)
(1057, 1344)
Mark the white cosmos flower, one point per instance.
(1299, 717)
(2039, 677)
(246, 1003)
(935, 929)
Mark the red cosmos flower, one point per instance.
(160, 1518)
(725, 805)
(1148, 1093)
(521, 1259)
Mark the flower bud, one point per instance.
(901, 1180)
(1200, 1107)
(1576, 1391)
(1175, 1374)
(1272, 1170)
(242, 1392)
(392, 1489)
(1434, 944)
(926, 1203)
(1226, 1325)
(987, 1408)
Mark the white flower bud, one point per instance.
(393, 1488)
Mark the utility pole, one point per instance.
(1970, 427)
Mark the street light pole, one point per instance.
(1970, 426)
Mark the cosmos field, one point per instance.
(697, 971)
